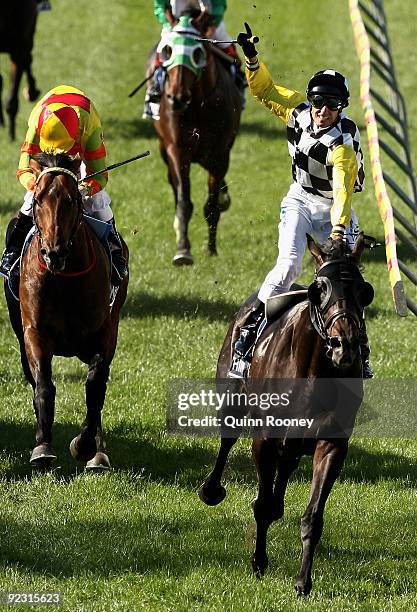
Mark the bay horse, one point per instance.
(199, 119)
(316, 340)
(65, 307)
(17, 29)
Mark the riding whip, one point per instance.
(142, 83)
(113, 166)
(252, 39)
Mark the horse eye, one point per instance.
(198, 57)
(165, 53)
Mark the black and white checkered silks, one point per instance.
(310, 150)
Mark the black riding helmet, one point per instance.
(329, 83)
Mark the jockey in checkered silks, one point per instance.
(65, 121)
(327, 168)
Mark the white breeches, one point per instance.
(97, 205)
(301, 213)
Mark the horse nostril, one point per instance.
(43, 251)
(335, 342)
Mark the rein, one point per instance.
(92, 263)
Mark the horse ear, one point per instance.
(76, 163)
(36, 167)
(201, 22)
(359, 247)
(315, 250)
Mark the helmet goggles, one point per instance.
(319, 101)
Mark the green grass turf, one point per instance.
(139, 538)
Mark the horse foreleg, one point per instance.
(89, 441)
(40, 364)
(264, 454)
(180, 180)
(212, 492)
(327, 463)
(12, 102)
(218, 201)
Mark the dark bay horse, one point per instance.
(316, 340)
(17, 29)
(65, 307)
(199, 120)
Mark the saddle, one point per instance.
(277, 305)
(102, 231)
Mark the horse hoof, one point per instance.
(212, 496)
(42, 455)
(99, 463)
(224, 201)
(259, 566)
(31, 94)
(183, 258)
(302, 589)
(86, 452)
(212, 252)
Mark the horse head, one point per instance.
(184, 59)
(57, 207)
(337, 298)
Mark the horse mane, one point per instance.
(61, 160)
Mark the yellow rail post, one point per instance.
(382, 198)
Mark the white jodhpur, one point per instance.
(301, 213)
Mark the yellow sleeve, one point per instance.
(30, 147)
(345, 170)
(279, 100)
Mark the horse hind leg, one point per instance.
(89, 444)
(287, 462)
(31, 92)
(265, 458)
(327, 463)
(100, 462)
(217, 202)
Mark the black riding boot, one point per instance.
(153, 94)
(367, 371)
(119, 269)
(16, 233)
(243, 349)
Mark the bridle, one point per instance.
(35, 203)
(334, 275)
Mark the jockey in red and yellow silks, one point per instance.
(65, 121)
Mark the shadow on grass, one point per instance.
(186, 462)
(270, 131)
(144, 305)
(152, 537)
(131, 128)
